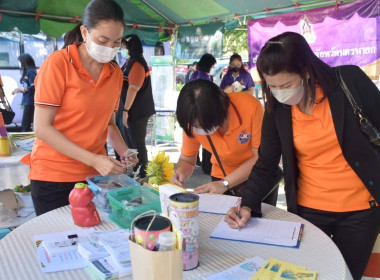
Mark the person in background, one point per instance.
(205, 68)
(232, 123)
(237, 74)
(2, 96)
(191, 69)
(28, 74)
(136, 101)
(77, 94)
(332, 176)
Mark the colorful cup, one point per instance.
(183, 211)
(5, 147)
(160, 224)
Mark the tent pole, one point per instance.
(158, 12)
(175, 38)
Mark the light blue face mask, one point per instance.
(124, 53)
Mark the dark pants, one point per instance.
(354, 233)
(48, 196)
(134, 136)
(27, 118)
(269, 199)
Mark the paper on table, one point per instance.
(59, 262)
(242, 271)
(165, 192)
(216, 203)
(265, 231)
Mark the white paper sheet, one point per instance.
(216, 203)
(258, 230)
(242, 271)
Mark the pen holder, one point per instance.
(183, 211)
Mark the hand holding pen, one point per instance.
(238, 216)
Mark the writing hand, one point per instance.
(177, 179)
(232, 217)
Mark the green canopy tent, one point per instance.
(153, 20)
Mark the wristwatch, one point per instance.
(226, 184)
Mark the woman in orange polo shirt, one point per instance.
(77, 93)
(232, 123)
(332, 172)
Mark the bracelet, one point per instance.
(2, 102)
(125, 110)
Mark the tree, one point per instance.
(236, 41)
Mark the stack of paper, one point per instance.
(90, 248)
(279, 270)
(107, 269)
(116, 243)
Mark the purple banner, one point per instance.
(334, 38)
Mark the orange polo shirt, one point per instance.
(243, 134)
(326, 181)
(84, 108)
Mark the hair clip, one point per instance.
(275, 42)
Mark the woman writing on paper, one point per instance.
(229, 122)
(332, 176)
(77, 94)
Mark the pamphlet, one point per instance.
(61, 258)
(242, 271)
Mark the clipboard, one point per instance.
(263, 231)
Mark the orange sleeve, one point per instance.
(50, 81)
(257, 120)
(136, 75)
(1, 82)
(190, 146)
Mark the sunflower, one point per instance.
(160, 168)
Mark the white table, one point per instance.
(18, 258)
(12, 171)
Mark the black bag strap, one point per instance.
(355, 107)
(216, 155)
(6, 99)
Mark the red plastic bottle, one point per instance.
(82, 209)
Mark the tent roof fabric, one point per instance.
(151, 17)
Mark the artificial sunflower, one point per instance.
(160, 168)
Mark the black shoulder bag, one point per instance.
(366, 126)
(7, 115)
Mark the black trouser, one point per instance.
(269, 199)
(48, 196)
(27, 118)
(354, 233)
(134, 136)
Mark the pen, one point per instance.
(238, 209)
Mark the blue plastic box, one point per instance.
(101, 185)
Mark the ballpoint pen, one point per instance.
(238, 202)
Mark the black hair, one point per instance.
(203, 101)
(27, 63)
(238, 57)
(206, 62)
(95, 11)
(290, 52)
(133, 44)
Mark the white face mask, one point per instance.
(291, 96)
(201, 131)
(101, 54)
